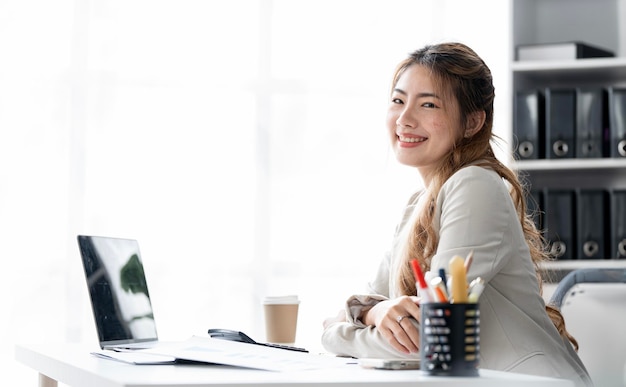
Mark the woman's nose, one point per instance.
(406, 119)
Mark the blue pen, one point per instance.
(442, 274)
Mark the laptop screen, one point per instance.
(118, 290)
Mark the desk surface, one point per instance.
(72, 364)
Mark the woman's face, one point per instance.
(423, 123)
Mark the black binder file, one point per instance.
(618, 224)
(592, 231)
(560, 123)
(559, 222)
(591, 123)
(528, 125)
(617, 121)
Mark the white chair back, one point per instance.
(593, 303)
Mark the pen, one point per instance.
(476, 289)
(459, 280)
(420, 282)
(439, 289)
(442, 274)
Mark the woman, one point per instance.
(440, 121)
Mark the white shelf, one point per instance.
(556, 270)
(584, 264)
(575, 65)
(570, 164)
(597, 70)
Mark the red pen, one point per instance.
(420, 282)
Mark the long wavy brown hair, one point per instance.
(459, 73)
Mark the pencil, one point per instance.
(468, 260)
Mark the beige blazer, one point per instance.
(475, 212)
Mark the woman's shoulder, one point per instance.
(474, 173)
(415, 197)
(476, 183)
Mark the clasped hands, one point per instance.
(390, 318)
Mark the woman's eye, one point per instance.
(396, 100)
(428, 104)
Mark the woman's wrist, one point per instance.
(358, 309)
(368, 317)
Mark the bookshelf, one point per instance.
(601, 23)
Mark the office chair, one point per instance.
(593, 303)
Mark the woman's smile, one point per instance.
(407, 141)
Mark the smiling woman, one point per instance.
(473, 204)
(241, 142)
(420, 121)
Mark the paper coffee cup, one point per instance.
(281, 319)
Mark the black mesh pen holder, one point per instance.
(450, 341)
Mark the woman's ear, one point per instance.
(474, 123)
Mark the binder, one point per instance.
(560, 123)
(618, 224)
(617, 121)
(591, 123)
(528, 125)
(559, 222)
(561, 51)
(592, 224)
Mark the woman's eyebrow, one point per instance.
(419, 95)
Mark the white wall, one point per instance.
(241, 142)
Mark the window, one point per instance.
(241, 142)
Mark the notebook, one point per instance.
(118, 292)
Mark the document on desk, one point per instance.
(135, 357)
(226, 352)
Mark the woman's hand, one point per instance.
(391, 319)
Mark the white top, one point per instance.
(475, 212)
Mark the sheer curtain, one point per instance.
(241, 142)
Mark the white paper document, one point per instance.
(209, 350)
(135, 357)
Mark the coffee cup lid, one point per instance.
(291, 299)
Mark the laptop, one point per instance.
(120, 300)
(118, 292)
(125, 323)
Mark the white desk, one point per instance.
(73, 365)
